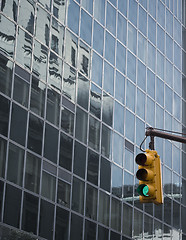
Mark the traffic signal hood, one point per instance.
(149, 175)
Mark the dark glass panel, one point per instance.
(46, 220)
(12, 206)
(4, 115)
(32, 173)
(65, 154)
(1, 196)
(15, 164)
(21, 91)
(78, 195)
(76, 227)
(93, 167)
(103, 233)
(63, 193)
(18, 119)
(91, 202)
(127, 220)
(35, 134)
(48, 189)
(37, 101)
(67, 121)
(105, 174)
(90, 230)
(81, 125)
(116, 214)
(104, 207)
(53, 106)
(79, 159)
(30, 212)
(5, 75)
(62, 224)
(114, 236)
(2, 157)
(51, 143)
(94, 133)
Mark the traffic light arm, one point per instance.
(157, 133)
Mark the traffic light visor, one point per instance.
(143, 190)
(141, 159)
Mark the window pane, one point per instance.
(40, 60)
(37, 101)
(79, 159)
(99, 11)
(4, 115)
(90, 230)
(26, 15)
(105, 174)
(116, 214)
(48, 186)
(94, 133)
(2, 156)
(110, 48)
(127, 220)
(121, 58)
(69, 82)
(120, 87)
(62, 224)
(106, 142)
(93, 167)
(18, 118)
(103, 233)
(12, 206)
(119, 118)
(21, 91)
(57, 37)
(15, 164)
(67, 121)
(46, 220)
(122, 26)
(128, 187)
(73, 16)
(107, 111)
(81, 125)
(83, 91)
(59, 10)
(53, 106)
(9, 8)
(97, 68)
(86, 27)
(7, 39)
(30, 212)
(98, 38)
(63, 193)
(35, 134)
(132, 38)
(24, 48)
(32, 173)
(91, 202)
(76, 227)
(84, 59)
(78, 195)
(42, 26)
(133, 12)
(131, 67)
(51, 143)
(111, 19)
(117, 181)
(104, 206)
(55, 72)
(65, 155)
(1, 196)
(118, 149)
(71, 48)
(5, 75)
(138, 223)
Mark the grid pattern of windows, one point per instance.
(80, 80)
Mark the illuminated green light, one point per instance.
(145, 191)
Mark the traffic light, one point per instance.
(149, 175)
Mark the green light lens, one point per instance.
(145, 191)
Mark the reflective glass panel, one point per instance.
(99, 11)
(129, 121)
(141, 76)
(24, 48)
(67, 121)
(32, 173)
(90, 230)
(21, 91)
(15, 164)
(84, 59)
(120, 87)
(69, 82)
(121, 58)
(111, 19)
(10, 8)
(88, 5)
(104, 206)
(116, 215)
(142, 21)
(129, 160)
(83, 91)
(103, 233)
(81, 125)
(128, 186)
(118, 149)
(127, 220)
(26, 15)
(42, 30)
(73, 16)
(86, 27)
(95, 101)
(119, 118)
(79, 159)
(107, 110)
(106, 142)
(151, 29)
(62, 224)
(130, 95)
(117, 181)
(105, 174)
(97, 68)
(57, 37)
(71, 48)
(132, 38)
(59, 10)
(132, 14)
(94, 133)
(110, 48)
(140, 109)
(142, 48)
(76, 231)
(131, 66)
(138, 223)
(40, 60)
(63, 193)
(98, 38)
(2, 156)
(122, 27)
(7, 36)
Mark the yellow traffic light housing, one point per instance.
(149, 175)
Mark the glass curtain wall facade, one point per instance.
(80, 80)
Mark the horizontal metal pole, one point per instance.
(156, 133)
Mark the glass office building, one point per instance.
(80, 80)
